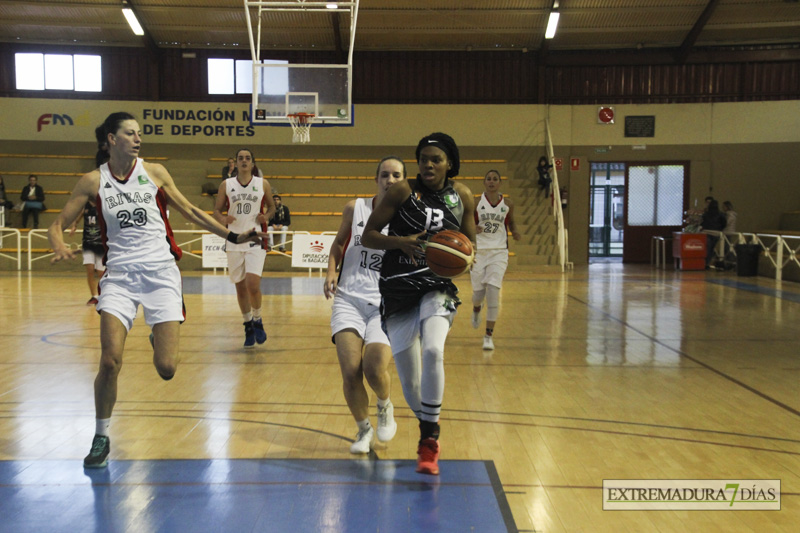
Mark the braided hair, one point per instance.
(446, 144)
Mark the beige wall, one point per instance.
(748, 153)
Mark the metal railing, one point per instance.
(11, 232)
(558, 211)
(780, 250)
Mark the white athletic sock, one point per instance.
(256, 313)
(434, 335)
(492, 303)
(383, 403)
(247, 317)
(101, 426)
(363, 424)
(409, 368)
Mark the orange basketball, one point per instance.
(448, 253)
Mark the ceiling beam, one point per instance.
(686, 46)
(148, 39)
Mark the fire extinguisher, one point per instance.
(563, 192)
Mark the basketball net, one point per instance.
(301, 126)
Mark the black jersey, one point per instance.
(402, 283)
(92, 239)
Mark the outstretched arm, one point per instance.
(190, 211)
(86, 188)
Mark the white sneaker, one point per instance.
(476, 319)
(363, 441)
(488, 343)
(387, 427)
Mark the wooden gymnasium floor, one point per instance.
(610, 372)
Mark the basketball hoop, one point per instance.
(301, 126)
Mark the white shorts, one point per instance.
(489, 268)
(246, 262)
(360, 315)
(91, 258)
(160, 293)
(403, 329)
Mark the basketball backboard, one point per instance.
(280, 88)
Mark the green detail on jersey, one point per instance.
(142, 180)
(451, 200)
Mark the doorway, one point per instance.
(606, 211)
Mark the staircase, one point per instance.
(533, 213)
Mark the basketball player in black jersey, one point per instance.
(418, 306)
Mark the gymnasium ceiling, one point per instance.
(394, 25)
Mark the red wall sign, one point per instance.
(574, 163)
(559, 163)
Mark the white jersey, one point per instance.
(361, 267)
(244, 203)
(493, 224)
(133, 221)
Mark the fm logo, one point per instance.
(45, 119)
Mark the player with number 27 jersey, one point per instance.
(133, 220)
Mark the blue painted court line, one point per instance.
(252, 495)
(751, 287)
(269, 286)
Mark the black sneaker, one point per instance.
(249, 334)
(261, 335)
(98, 456)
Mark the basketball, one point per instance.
(448, 253)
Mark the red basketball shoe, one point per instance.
(428, 457)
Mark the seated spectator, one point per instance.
(33, 198)
(229, 171)
(713, 220)
(279, 222)
(543, 168)
(4, 201)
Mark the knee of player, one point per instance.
(166, 370)
(109, 365)
(352, 377)
(434, 354)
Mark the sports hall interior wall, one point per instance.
(746, 152)
(479, 77)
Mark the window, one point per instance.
(58, 72)
(226, 76)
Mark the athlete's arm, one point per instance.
(382, 215)
(510, 219)
(267, 216)
(337, 249)
(190, 211)
(468, 219)
(219, 205)
(86, 188)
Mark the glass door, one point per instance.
(606, 210)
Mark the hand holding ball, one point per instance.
(449, 253)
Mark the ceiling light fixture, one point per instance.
(133, 22)
(552, 24)
(332, 6)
